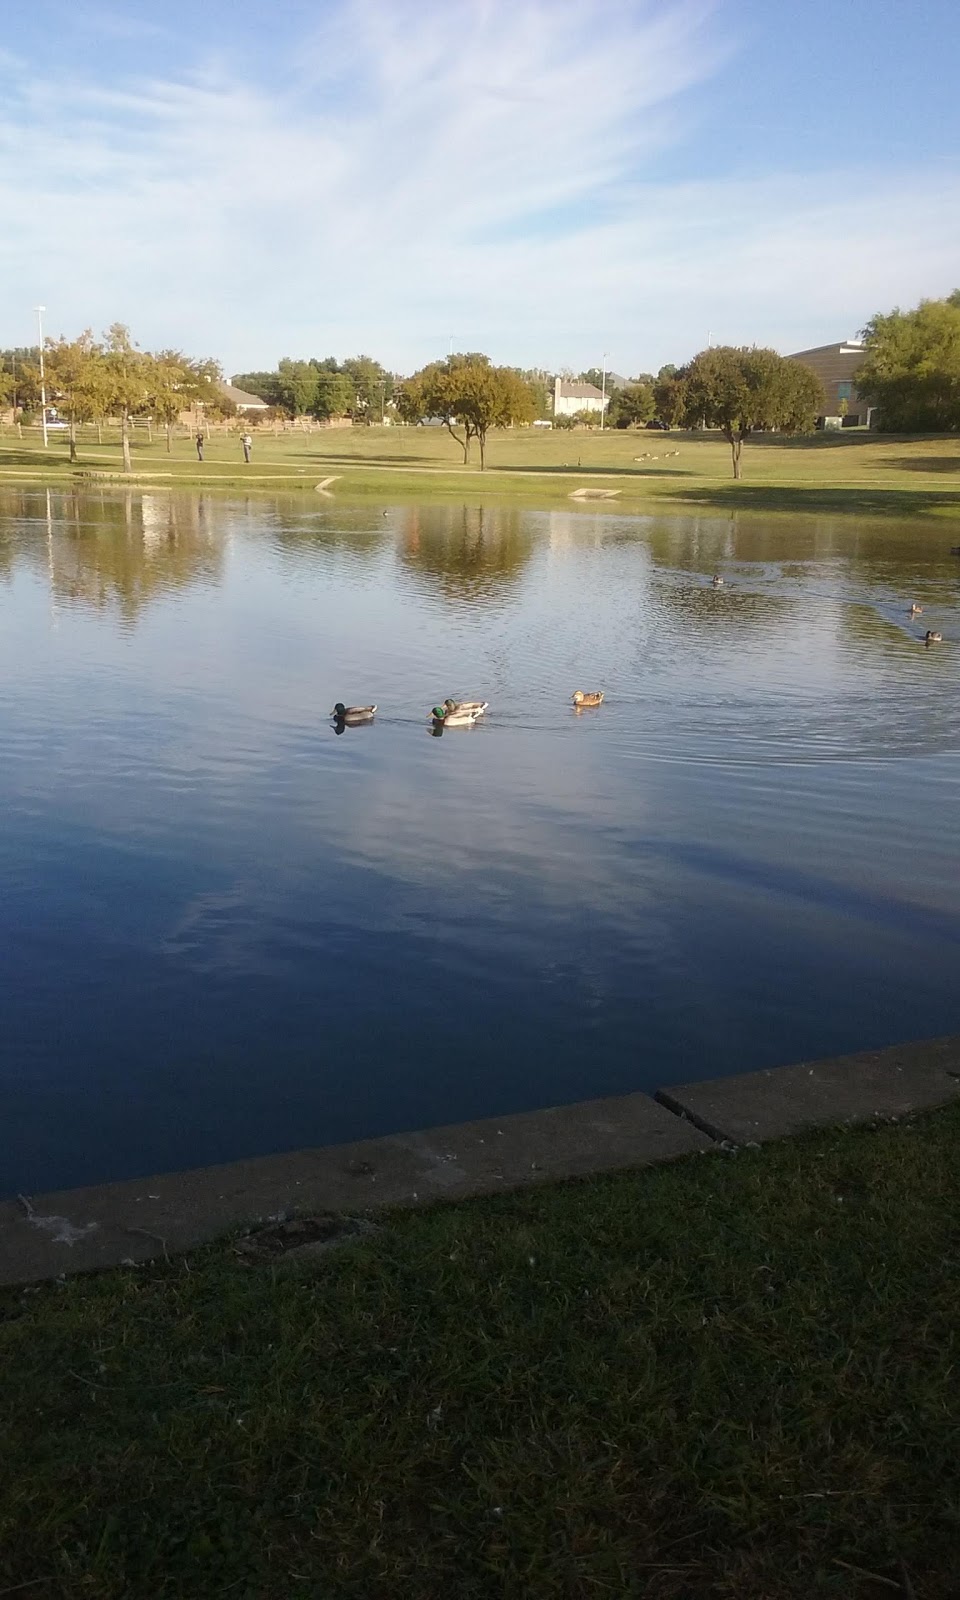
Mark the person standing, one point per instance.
(199, 444)
(247, 443)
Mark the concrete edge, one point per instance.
(85, 1230)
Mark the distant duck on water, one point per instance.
(580, 699)
(931, 637)
(915, 610)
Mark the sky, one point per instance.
(553, 182)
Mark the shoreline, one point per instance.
(91, 1229)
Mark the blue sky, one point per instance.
(545, 180)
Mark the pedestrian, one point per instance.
(200, 445)
(247, 443)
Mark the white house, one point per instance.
(571, 397)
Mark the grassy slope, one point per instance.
(722, 1378)
(824, 473)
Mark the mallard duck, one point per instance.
(581, 699)
(717, 581)
(344, 713)
(930, 637)
(460, 717)
(475, 707)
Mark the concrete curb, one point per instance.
(83, 1230)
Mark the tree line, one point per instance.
(910, 371)
(89, 380)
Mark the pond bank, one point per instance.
(708, 1378)
(81, 1230)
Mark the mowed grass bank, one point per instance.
(731, 1377)
(823, 473)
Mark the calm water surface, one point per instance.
(225, 930)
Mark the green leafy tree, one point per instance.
(744, 390)
(335, 395)
(371, 386)
(668, 398)
(912, 367)
(125, 367)
(540, 384)
(468, 393)
(631, 407)
(77, 375)
(172, 385)
(297, 386)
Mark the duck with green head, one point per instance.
(461, 716)
(342, 713)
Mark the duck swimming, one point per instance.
(915, 610)
(344, 713)
(462, 716)
(581, 699)
(475, 708)
(930, 637)
(717, 581)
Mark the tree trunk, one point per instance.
(169, 431)
(464, 443)
(73, 441)
(482, 441)
(736, 446)
(125, 441)
(99, 431)
(150, 430)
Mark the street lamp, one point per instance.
(43, 389)
(603, 392)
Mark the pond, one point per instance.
(227, 930)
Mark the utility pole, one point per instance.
(43, 388)
(603, 392)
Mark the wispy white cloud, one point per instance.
(488, 169)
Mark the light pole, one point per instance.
(603, 392)
(43, 389)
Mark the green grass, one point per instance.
(824, 473)
(731, 1377)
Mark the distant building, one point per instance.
(569, 398)
(836, 366)
(241, 399)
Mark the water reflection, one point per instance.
(467, 552)
(747, 854)
(114, 552)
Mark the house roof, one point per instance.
(240, 397)
(846, 347)
(577, 391)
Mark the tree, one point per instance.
(125, 369)
(467, 392)
(172, 385)
(631, 407)
(78, 377)
(335, 395)
(668, 397)
(743, 390)
(297, 386)
(371, 387)
(912, 366)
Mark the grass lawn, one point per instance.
(823, 473)
(735, 1377)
